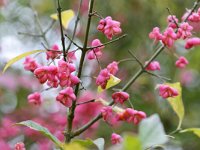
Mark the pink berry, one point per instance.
(165, 91)
(103, 78)
(30, 64)
(20, 146)
(54, 53)
(192, 42)
(35, 98)
(116, 138)
(113, 67)
(171, 19)
(155, 34)
(153, 66)
(106, 113)
(181, 62)
(131, 115)
(96, 52)
(66, 96)
(169, 36)
(120, 97)
(109, 27)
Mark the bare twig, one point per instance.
(50, 26)
(192, 10)
(76, 25)
(29, 34)
(125, 60)
(90, 101)
(97, 60)
(59, 9)
(56, 51)
(177, 25)
(158, 76)
(71, 41)
(107, 43)
(95, 13)
(139, 62)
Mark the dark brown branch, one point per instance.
(59, 9)
(72, 109)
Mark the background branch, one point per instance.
(76, 25)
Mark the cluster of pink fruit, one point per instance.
(62, 75)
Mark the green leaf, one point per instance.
(73, 146)
(194, 130)
(85, 143)
(151, 132)
(99, 143)
(177, 103)
(132, 142)
(37, 127)
(17, 58)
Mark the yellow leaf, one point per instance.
(177, 103)
(66, 16)
(111, 82)
(132, 142)
(73, 146)
(17, 58)
(99, 89)
(194, 130)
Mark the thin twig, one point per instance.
(42, 34)
(52, 61)
(177, 25)
(125, 60)
(97, 59)
(139, 62)
(76, 25)
(192, 10)
(81, 83)
(50, 26)
(90, 101)
(158, 76)
(59, 9)
(56, 51)
(71, 41)
(29, 34)
(130, 103)
(43, 90)
(95, 13)
(40, 28)
(107, 43)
